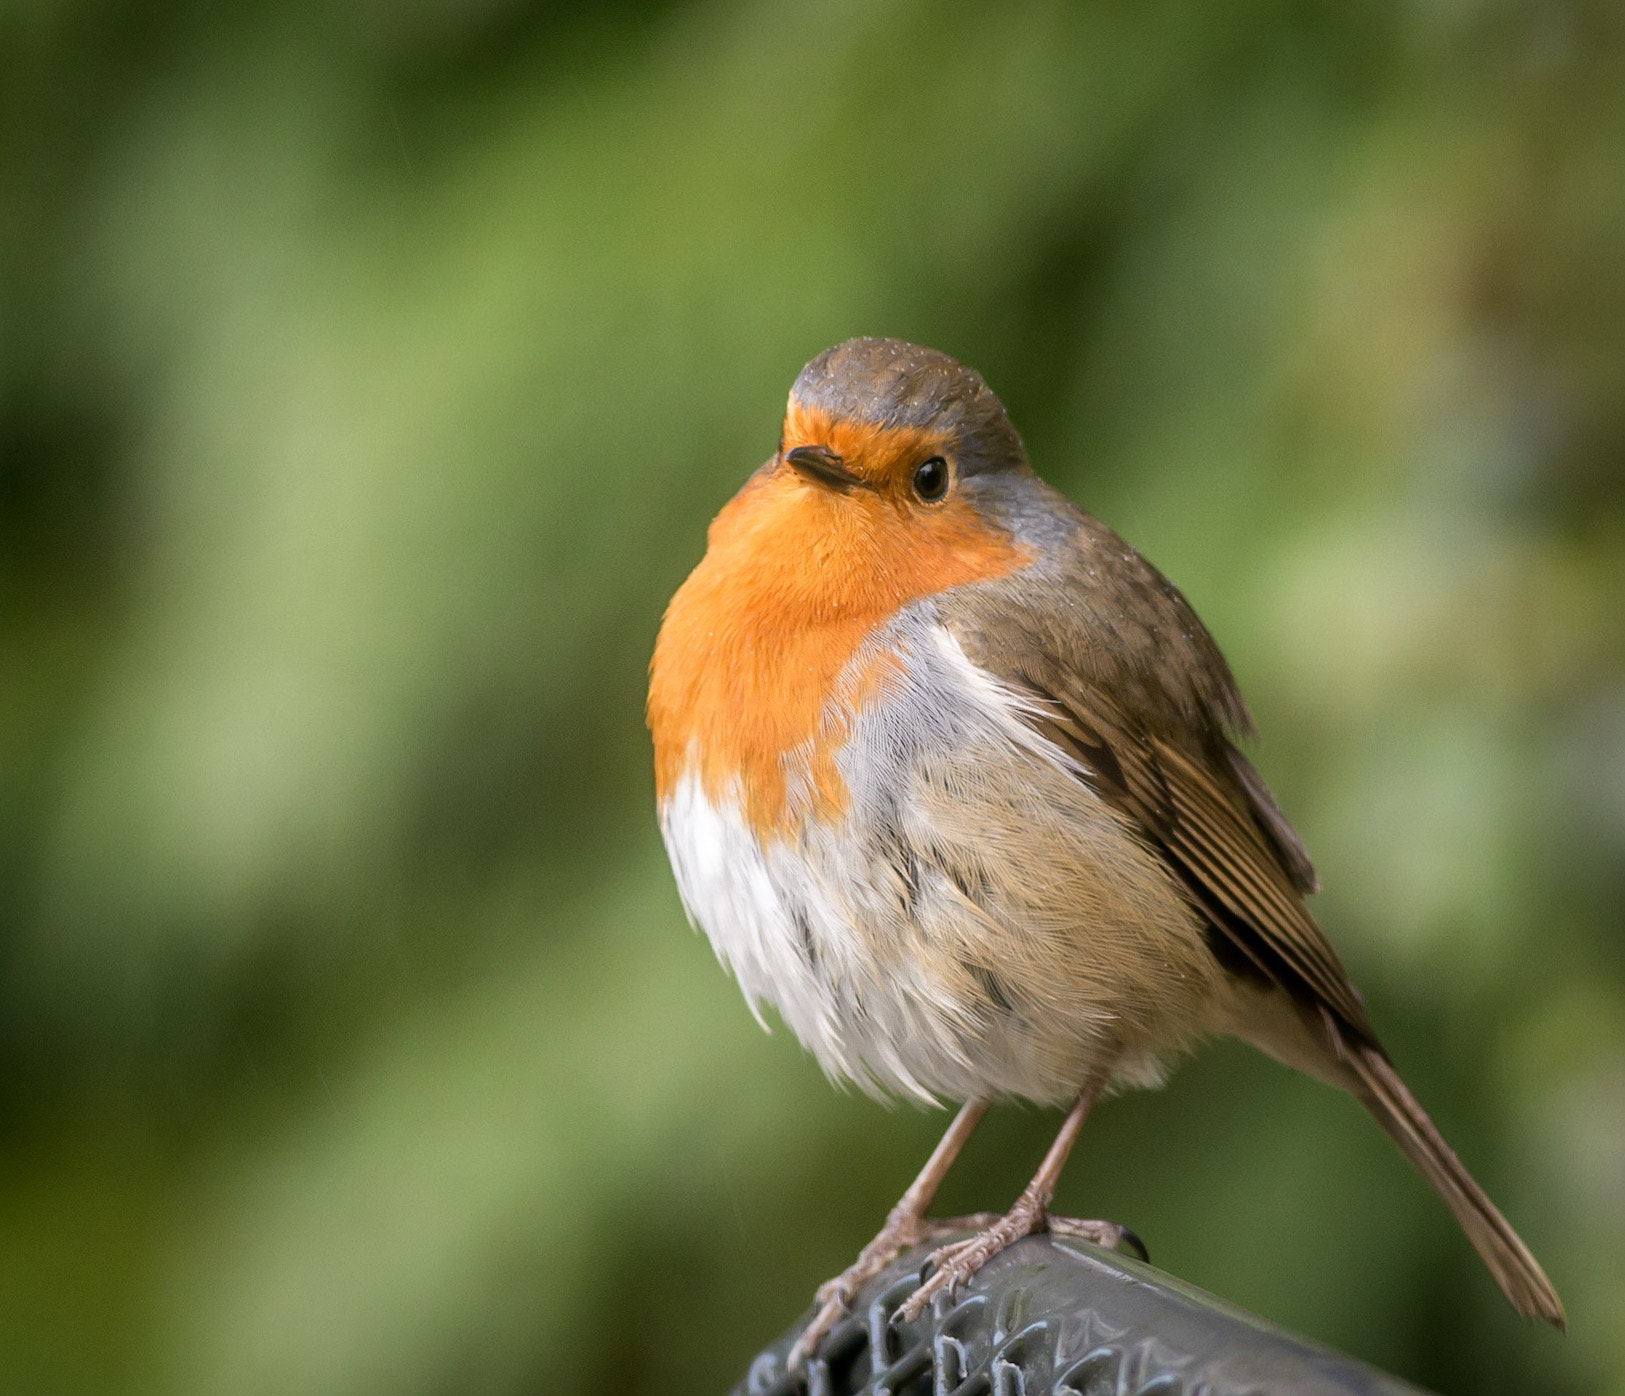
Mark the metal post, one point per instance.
(1052, 1316)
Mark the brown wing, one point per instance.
(1284, 838)
(1130, 683)
(1199, 817)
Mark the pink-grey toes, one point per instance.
(956, 1262)
(1100, 1233)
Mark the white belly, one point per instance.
(972, 925)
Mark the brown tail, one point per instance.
(1517, 1272)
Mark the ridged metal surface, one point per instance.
(1053, 1317)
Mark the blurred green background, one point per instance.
(368, 375)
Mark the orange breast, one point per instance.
(753, 646)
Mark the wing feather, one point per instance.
(1204, 825)
(1169, 763)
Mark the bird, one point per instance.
(950, 777)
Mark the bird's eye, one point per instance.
(931, 479)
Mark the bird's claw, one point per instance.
(954, 1263)
(1109, 1235)
(834, 1297)
(959, 1260)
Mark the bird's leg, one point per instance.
(958, 1261)
(905, 1225)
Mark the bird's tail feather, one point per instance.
(1393, 1106)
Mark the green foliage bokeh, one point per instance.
(368, 375)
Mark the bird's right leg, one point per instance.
(905, 1225)
(958, 1261)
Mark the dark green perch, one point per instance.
(1055, 1317)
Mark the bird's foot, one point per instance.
(959, 1260)
(903, 1228)
(1106, 1234)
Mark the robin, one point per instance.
(948, 774)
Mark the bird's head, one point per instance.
(894, 420)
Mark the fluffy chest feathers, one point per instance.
(973, 921)
(752, 685)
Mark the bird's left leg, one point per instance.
(905, 1225)
(957, 1262)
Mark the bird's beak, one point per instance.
(822, 466)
